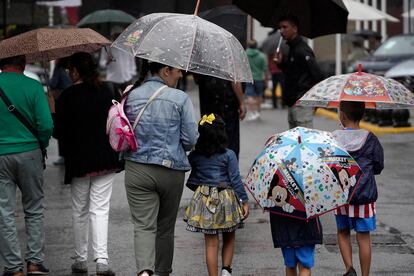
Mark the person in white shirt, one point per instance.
(120, 66)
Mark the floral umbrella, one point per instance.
(376, 91)
(187, 42)
(302, 173)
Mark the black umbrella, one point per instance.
(229, 17)
(316, 17)
(365, 34)
(270, 44)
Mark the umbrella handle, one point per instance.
(279, 44)
(196, 8)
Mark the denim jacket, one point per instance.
(219, 170)
(167, 128)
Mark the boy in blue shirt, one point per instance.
(359, 215)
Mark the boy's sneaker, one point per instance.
(36, 269)
(104, 270)
(79, 267)
(351, 272)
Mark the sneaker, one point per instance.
(224, 272)
(59, 162)
(36, 269)
(15, 273)
(351, 272)
(79, 267)
(104, 270)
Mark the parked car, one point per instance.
(393, 51)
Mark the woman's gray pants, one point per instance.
(154, 194)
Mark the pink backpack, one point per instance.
(121, 133)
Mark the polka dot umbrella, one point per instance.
(187, 42)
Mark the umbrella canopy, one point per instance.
(230, 18)
(269, 45)
(49, 44)
(361, 11)
(187, 42)
(365, 34)
(302, 173)
(316, 18)
(376, 91)
(106, 16)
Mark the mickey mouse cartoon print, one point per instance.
(345, 180)
(279, 195)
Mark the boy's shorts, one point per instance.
(303, 255)
(255, 89)
(358, 224)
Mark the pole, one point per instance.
(374, 22)
(4, 18)
(338, 55)
(409, 16)
(383, 22)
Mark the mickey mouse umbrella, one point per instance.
(302, 173)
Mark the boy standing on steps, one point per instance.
(359, 215)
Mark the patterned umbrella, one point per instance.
(49, 44)
(376, 91)
(187, 42)
(302, 173)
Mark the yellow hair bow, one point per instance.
(207, 119)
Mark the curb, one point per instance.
(368, 126)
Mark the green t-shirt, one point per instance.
(28, 96)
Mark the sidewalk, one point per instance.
(393, 252)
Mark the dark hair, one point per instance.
(86, 67)
(294, 20)
(252, 44)
(354, 111)
(148, 66)
(16, 61)
(213, 137)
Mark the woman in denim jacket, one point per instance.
(154, 174)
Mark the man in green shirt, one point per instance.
(21, 166)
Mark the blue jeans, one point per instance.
(23, 170)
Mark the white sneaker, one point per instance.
(225, 273)
(249, 117)
(256, 115)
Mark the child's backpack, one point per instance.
(121, 133)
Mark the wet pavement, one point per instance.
(393, 242)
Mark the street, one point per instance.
(393, 242)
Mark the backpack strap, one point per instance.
(146, 104)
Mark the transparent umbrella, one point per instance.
(187, 42)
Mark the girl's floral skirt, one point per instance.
(213, 210)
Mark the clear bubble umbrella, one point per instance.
(187, 42)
